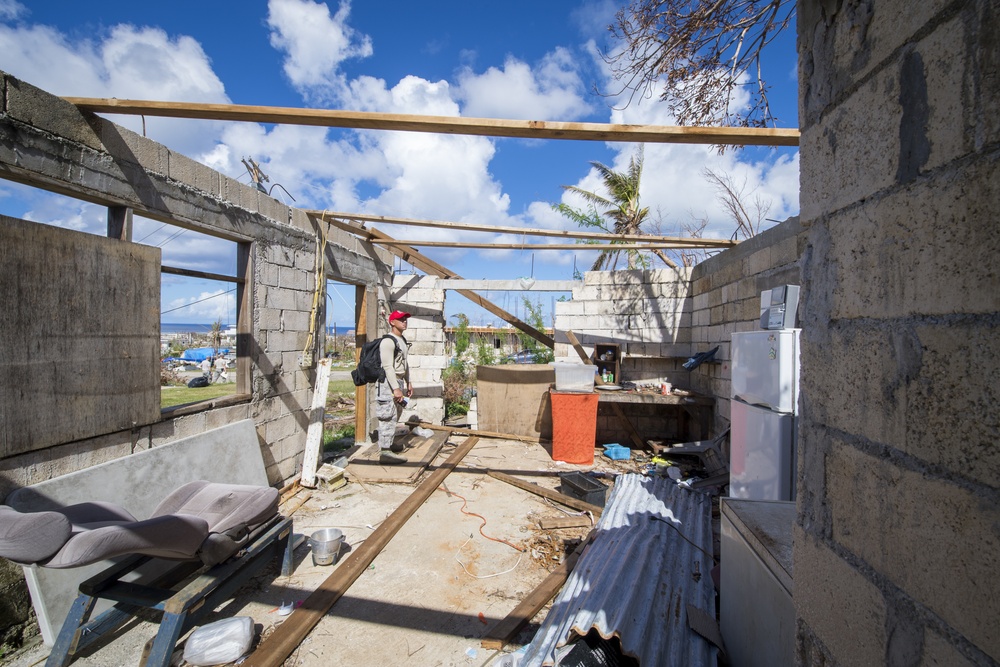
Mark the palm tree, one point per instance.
(620, 207)
(216, 336)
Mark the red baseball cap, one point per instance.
(398, 315)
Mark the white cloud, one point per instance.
(127, 63)
(673, 182)
(315, 44)
(206, 306)
(551, 91)
(11, 9)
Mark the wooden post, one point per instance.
(244, 318)
(314, 436)
(120, 223)
(360, 338)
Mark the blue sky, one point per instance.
(525, 60)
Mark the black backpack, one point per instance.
(370, 363)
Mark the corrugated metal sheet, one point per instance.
(638, 576)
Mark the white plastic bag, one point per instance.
(220, 642)
(422, 432)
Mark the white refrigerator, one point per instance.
(765, 379)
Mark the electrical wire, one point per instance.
(653, 517)
(208, 298)
(486, 576)
(478, 516)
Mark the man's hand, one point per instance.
(397, 395)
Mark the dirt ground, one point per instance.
(436, 588)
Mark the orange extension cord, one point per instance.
(465, 503)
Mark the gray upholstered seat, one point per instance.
(200, 520)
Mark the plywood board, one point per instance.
(418, 451)
(514, 399)
(81, 336)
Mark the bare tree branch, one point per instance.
(748, 218)
(699, 52)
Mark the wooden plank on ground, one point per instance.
(418, 451)
(552, 523)
(569, 501)
(503, 632)
(286, 638)
(481, 434)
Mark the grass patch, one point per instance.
(341, 388)
(173, 396)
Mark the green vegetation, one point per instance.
(338, 421)
(457, 378)
(182, 395)
(543, 355)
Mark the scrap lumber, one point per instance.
(617, 409)
(314, 434)
(562, 498)
(481, 434)
(287, 636)
(503, 632)
(551, 523)
(299, 502)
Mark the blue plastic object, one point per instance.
(617, 452)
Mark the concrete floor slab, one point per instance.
(436, 588)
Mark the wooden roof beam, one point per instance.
(414, 257)
(486, 127)
(519, 231)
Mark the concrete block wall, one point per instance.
(726, 299)
(49, 143)
(897, 542)
(662, 317)
(423, 298)
(285, 284)
(647, 312)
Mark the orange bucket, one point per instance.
(574, 426)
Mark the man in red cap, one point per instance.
(391, 392)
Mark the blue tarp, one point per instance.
(199, 353)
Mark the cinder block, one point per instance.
(285, 341)
(272, 209)
(33, 106)
(280, 428)
(844, 609)
(292, 278)
(938, 652)
(267, 274)
(834, 361)
(266, 410)
(864, 130)
(906, 524)
(220, 417)
(269, 319)
(282, 255)
(938, 229)
(958, 360)
(895, 26)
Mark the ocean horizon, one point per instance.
(203, 328)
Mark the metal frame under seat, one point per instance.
(181, 609)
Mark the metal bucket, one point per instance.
(325, 545)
